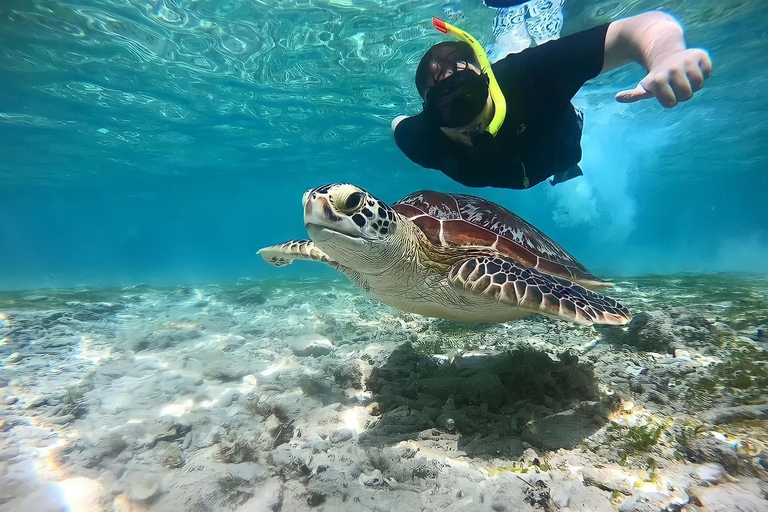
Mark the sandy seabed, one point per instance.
(306, 395)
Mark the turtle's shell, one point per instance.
(457, 220)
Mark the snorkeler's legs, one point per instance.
(517, 25)
(568, 174)
(544, 19)
(510, 33)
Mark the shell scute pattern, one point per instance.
(435, 204)
(469, 220)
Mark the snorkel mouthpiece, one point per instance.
(499, 103)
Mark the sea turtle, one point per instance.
(451, 256)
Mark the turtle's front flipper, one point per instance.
(284, 254)
(511, 283)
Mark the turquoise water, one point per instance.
(167, 141)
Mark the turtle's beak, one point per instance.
(305, 202)
(318, 213)
(317, 210)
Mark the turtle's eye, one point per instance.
(351, 202)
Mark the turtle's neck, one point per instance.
(400, 259)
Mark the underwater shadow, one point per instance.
(487, 404)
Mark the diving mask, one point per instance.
(500, 104)
(456, 100)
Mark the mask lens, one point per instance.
(458, 99)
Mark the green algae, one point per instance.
(743, 375)
(740, 300)
(637, 439)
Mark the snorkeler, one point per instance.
(530, 131)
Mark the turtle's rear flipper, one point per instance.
(284, 254)
(512, 283)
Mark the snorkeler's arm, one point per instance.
(655, 40)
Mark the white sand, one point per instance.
(206, 399)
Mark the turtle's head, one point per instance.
(350, 225)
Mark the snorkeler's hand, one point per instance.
(673, 79)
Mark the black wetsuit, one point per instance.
(541, 134)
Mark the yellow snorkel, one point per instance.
(499, 103)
